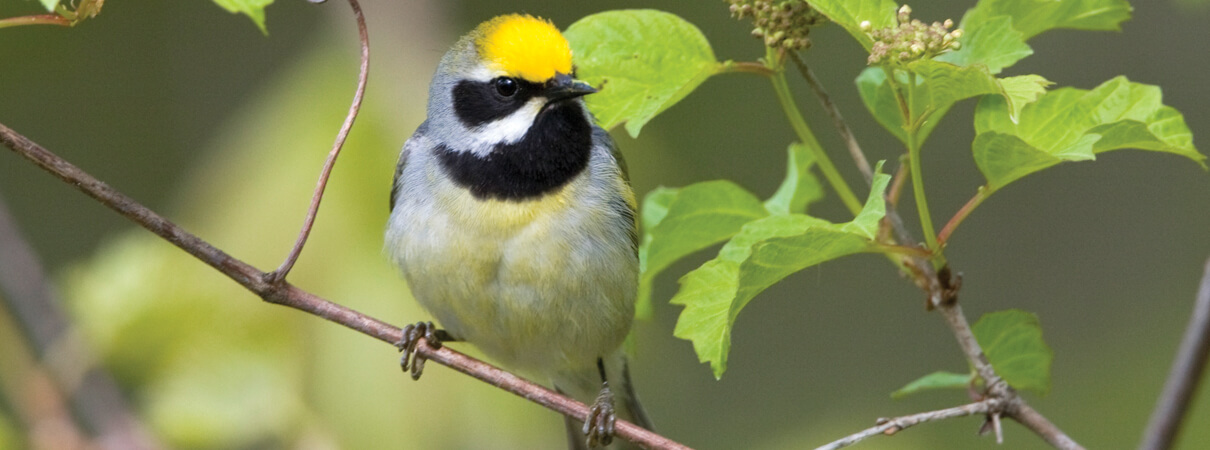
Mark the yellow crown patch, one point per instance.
(524, 46)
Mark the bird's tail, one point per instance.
(587, 385)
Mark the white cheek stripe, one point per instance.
(508, 130)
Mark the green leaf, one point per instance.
(1012, 341)
(679, 222)
(1032, 17)
(993, 43)
(800, 187)
(761, 254)
(254, 9)
(1022, 90)
(49, 4)
(938, 86)
(642, 60)
(850, 13)
(1074, 125)
(935, 380)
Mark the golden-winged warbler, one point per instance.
(514, 224)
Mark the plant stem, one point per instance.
(922, 206)
(41, 19)
(744, 67)
(782, 88)
(970, 205)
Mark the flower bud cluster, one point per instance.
(780, 23)
(911, 39)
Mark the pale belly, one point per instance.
(549, 293)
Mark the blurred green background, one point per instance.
(193, 112)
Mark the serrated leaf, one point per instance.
(761, 254)
(850, 13)
(1074, 125)
(935, 380)
(1012, 341)
(254, 9)
(49, 4)
(800, 187)
(993, 43)
(642, 60)
(1022, 90)
(1032, 17)
(677, 222)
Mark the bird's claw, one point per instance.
(599, 427)
(411, 359)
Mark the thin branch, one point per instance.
(285, 294)
(838, 121)
(891, 426)
(1187, 369)
(93, 394)
(284, 269)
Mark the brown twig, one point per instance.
(1186, 373)
(891, 426)
(284, 269)
(93, 394)
(285, 294)
(838, 121)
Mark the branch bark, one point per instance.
(1186, 373)
(282, 293)
(892, 426)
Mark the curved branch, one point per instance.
(1186, 372)
(284, 269)
(282, 293)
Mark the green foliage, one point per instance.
(1072, 124)
(938, 85)
(1012, 341)
(1032, 17)
(643, 61)
(800, 187)
(254, 9)
(935, 380)
(764, 252)
(49, 4)
(994, 43)
(677, 222)
(851, 13)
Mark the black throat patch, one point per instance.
(554, 150)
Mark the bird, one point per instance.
(513, 222)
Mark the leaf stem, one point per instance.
(757, 68)
(40, 19)
(775, 62)
(970, 205)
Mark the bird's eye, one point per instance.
(506, 86)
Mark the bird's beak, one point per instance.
(564, 87)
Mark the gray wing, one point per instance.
(627, 210)
(600, 135)
(408, 148)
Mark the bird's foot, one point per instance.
(411, 359)
(599, 427)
